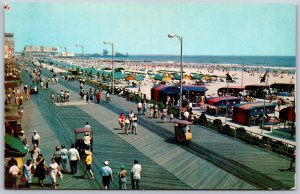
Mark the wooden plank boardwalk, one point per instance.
(184, 169)
(107, 146)
(285, 177)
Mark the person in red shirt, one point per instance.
(99, 96)
(121, 120)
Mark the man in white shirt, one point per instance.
(136, 175)
(74, 158)
(130, 116)
(14, 171)
(139, 107)
(87, 125)
(87, 141)
(36, 138)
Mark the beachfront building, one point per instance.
(12, 74)
(9, 46)
(38, 51)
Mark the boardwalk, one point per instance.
(219, 162)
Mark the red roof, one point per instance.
(252, 105)
(234, 87)
(213, 101)
(82, 130)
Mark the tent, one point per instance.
(242, 112)
(287, 114)
(223, 100)
(159, 93)
(283, 89)
(232, 90)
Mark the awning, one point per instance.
(287, 114)
(223, 100)
(14, 147)
(194, 88)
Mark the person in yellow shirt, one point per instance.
(88, 164)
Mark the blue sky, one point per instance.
(142, 28)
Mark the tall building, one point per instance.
(31, 50)
(9, 45)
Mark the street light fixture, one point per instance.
(181, 69)
(65, 50)
(112, 63)
(82, 50)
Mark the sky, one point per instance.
(143, 28)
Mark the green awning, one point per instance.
(14, 147)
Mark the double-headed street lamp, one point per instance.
(181, 69)
(65, 50)
(112, 62)
(82, 50)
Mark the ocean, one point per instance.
(269, 61)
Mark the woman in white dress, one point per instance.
(54, 168)
(27, 172)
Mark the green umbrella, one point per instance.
(158, 77)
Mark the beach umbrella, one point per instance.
(197, 76)
(119, 75)
(158, 77)
(130, 78)
(205, 77)
(167, 79)
(176, 77)
(106, 68)
(139, 78)
(186, 77)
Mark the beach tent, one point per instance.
(222, 101)
(242, 113)
(287, 114)
(283, 89)
(232, 90)
(159, 93)
(256, 90)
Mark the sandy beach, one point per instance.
(251, 74)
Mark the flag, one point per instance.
(263, 78)
(228, 78)
(6, 6)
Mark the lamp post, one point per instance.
(112, 63)
(181, 69)
(65, 50)
(82, 50)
